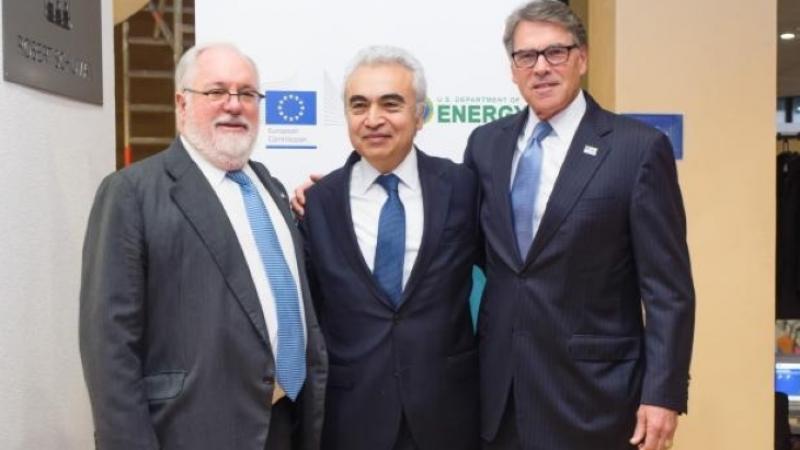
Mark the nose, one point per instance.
(542, 66)
(374, 117)
(233, 104)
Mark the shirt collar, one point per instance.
(364, 174)
(564, 124)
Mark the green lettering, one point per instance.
(489, 113)
(474, 114)
(458, 114)
(505, 110)
(443, 114)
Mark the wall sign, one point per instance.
(669, 124)
(54, 45)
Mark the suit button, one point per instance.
(396, 319)
(396, 374)
(268, 379)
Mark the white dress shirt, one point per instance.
(230, 195)
(554, 148)
(367, 198)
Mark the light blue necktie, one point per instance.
(291, 363)
(526, 186)
(391, 246)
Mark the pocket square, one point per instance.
(589, 150)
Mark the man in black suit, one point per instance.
(584, 226)
(196, 325)
(391, 238)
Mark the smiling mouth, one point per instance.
(376, 137)
(545, 85)
(232, 126)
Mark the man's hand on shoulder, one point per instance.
(299, 198)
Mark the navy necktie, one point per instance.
(525, 188)
(291, 357)
(391, 245)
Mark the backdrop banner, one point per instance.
(303, 47)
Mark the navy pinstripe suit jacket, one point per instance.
(563, 329)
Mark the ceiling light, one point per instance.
(788, 36)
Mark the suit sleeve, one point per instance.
(658, 229)
(112, 319)
(471, 164)
(306, 231)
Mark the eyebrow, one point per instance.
(539, 50)
(393, 97)
(221, 85)
(383, 98)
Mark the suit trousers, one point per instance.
(282, 425)
(507, 437)
(404, 439)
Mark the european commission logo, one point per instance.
(291, 107)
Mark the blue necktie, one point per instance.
(391, 246)
(525, 188)
(291, 363)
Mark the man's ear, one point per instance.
(180, 107)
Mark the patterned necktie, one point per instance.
(525, 188)
(391, 246)
(291, 364)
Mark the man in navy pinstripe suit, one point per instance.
(586, 324)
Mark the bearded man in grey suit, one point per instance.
(196, 325)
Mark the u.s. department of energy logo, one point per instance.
(291, 107)
(469, 109)
(427, 110)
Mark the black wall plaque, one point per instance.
(54, 45)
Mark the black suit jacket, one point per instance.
(173, 341)
(419, 360)
(562, 328)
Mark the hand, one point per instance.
(299, 199)
(655, 428)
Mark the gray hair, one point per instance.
(385, 54)
(552, 11)
(187, 65)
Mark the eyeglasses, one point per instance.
(555, 55)
(247, 97)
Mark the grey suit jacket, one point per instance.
(173, 341)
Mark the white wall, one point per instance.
(306, 45)
(53, 153)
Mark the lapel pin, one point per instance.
(589, 150)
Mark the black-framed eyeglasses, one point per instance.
(246, 97)
(555, 55)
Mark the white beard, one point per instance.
(227, 151)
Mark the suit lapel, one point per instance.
(337, 209)
(503, 156)
(578, 168)
(436, 191)
(201, 207)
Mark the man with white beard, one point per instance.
(196, 324)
